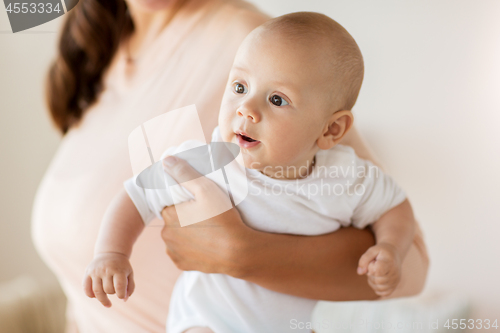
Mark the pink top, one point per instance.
(188, 64)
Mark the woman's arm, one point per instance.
(317, 267)
(321, 267)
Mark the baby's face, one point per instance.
(276, 102)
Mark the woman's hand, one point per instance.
(216, 245)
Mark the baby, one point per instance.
(287, 106)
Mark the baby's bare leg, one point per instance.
(199, 330)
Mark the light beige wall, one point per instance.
(429, 107)
(27, 142)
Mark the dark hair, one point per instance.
(90, 37)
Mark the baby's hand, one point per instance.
(382, 264)
(107, 274)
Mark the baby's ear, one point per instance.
(335, 128)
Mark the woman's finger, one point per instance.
(183, 174)
(99, 292)
(170, 217)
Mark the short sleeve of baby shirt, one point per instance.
(377, 191)
(138, 196)
(152, 197)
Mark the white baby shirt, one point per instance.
(342, 190)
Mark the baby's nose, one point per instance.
(249, 114)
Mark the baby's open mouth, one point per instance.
(245, 141)
(246, 138)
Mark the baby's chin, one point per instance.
(241, 160)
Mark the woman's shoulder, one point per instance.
(244, 15)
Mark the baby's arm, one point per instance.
(110, 271)
(394, 233)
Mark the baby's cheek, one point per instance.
(286, 152)
(224, 121)
(225, 133)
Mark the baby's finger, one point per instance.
(385, 292)
(382, 288)
(87, 286)
(120, 283)
(107, 283)
(130, 285)
(365, 260)
(383, 280)
(99, 292)
(380, 280)
(371, 269)
(375, 286)
(379, 268)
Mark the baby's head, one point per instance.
(290, 91)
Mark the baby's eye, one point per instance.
(239, 88)
(277, 100)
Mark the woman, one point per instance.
(119, 65)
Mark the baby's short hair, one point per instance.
(346, 59)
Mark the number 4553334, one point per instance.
(32, 8)
(470, 324)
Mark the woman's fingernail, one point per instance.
(170, 161)
(360, 270)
